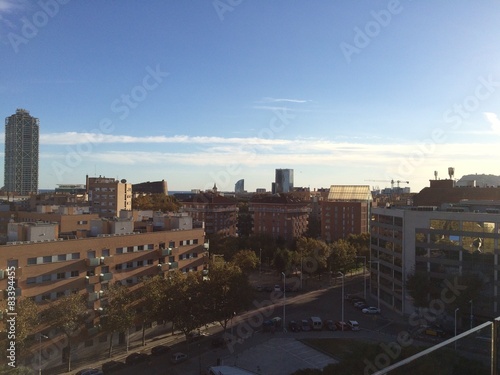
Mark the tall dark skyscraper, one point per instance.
(21, 153)
(283, 183)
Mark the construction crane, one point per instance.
(391, 181)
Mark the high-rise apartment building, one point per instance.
(283, 182)
(107, 196)
(21, 153)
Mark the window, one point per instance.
(91, 254)
(140, 263)
(47, 259)
(105, 253)
(171, 244)
(31, 261)
(61, 257)
(46, 297)
(150, 262)
(130, 249)
(119, 250)
(31, 280)
(61, 275)
(12, 263)
(118, 267)
(46, 278)
(59, 294)
(130, 265)
(75, 273)
(105, 269)
(75, 256)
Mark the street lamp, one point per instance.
(364, 273)
(40, 352)
(378, 282)
(471, 316)
(456, 326)
(260, 261)
(342, 299)
(284, 303)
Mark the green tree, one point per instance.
(342, 256)
(188, 312)
(227, 291)
(156, 202)
(314, 252)
(282, 260)
(69, 314)
(26, 321)
(118, 314)
(246, 260)
(152, 302)
(361, 243)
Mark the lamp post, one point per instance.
(40, 352)
(364, 274)
(342, 299)
(284, 303)
(471, 316)
(378, 282)
(456, 326)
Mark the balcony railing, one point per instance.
(93, 262)
(106, 276)
(165, 252)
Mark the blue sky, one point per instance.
(197, 92)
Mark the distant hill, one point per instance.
(482, 180)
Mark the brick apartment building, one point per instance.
(219, 213)
(281, 216)
(48, 270)
(345, 211)
(107, 196)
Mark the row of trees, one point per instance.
(312, 255)
(188, 301)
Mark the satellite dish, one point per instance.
(123, 181)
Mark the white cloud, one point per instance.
(276, 100)
(9, 6)
(492, 118)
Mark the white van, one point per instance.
(316, 323)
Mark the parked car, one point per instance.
(195, 336)
(159, 349)
(355, 300)
(353, 325)
(342, 326)
(360, 305)
(135, 358)
(330, 325)
(316, 323)
(112, 366)
(178, 357)
(304, 325)
(293, 326)
(435, 331)
(371, 310)
(277, 288)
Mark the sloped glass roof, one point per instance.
(350, 193)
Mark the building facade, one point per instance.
(283, 182)
(219, 213)
(21, 153)
(47, 271)
(439, 244)
(107, 196)
(281, 216)
(345, 211)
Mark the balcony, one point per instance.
(106, 276)
(92, 279)
(93, 262)
(93, 296)
(173, 265)
(104, 260)
(165, 252)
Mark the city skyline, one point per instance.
(225, 90)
